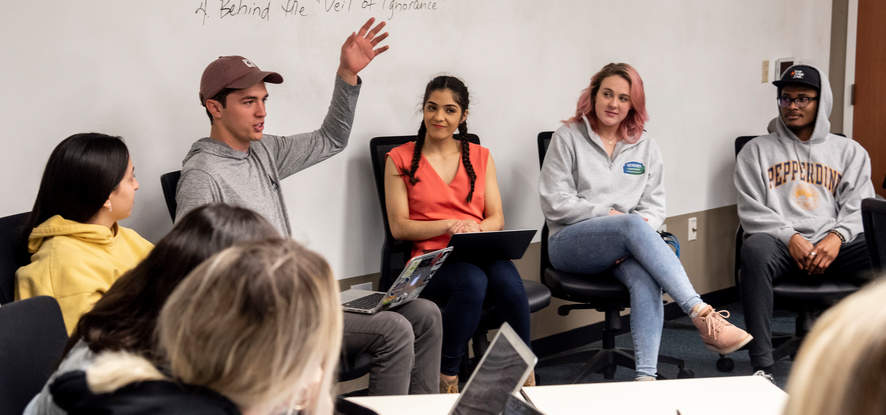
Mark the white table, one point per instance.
(744, 395)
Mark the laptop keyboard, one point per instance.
(365, 303)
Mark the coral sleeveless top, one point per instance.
(433, 199)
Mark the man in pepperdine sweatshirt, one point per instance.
(240, 165)
(799, 202)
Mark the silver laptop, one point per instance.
(501, 372)
(414, 277)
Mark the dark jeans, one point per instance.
(764, 260)
(460, 289)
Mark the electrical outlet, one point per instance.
(366, 286)
(693, 228)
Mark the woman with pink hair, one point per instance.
(602, 195)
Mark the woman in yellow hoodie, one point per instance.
(77, 248)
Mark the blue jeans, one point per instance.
(461, 288)
(592, 246)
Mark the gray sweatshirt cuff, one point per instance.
(784, 235)
(845, 233)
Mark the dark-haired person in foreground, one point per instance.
(240, 165)
(799, 202)
(77, 248)
(126, 317)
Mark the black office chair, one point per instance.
(601, 292)
(10, 257)
(873, 216)
(169, 182)
(395, 253)
(807, 298)
(32, 338)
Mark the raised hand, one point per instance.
(359, 49)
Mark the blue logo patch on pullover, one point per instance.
(634, 167)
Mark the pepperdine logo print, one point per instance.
(805, 195)
(807, 181)
(634, 167)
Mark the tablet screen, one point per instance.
(499, 374)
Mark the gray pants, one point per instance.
(765, 259)
(404, 345)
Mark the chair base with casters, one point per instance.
(602, 292)
(808, 301)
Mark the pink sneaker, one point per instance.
(718, 334)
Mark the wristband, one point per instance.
(839, 235)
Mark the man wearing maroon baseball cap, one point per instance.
(240, 165)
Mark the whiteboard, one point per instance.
(133, 69)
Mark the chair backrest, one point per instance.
(873, 216)
(741, 141)
(169, 182)
(10, 256)
(32, 339)
(394, 253)
(544, 139)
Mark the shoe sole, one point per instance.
(733, 348)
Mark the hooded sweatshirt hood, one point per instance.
(215, 148)
(59, 226)
(125, 384)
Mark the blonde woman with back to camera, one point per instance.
(255, 329)
(841, 367)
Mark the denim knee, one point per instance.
(470, 285)
(633, 223)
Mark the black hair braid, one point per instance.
(466, 157)
(416, 155)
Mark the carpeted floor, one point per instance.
(680, 340)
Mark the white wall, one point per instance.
(133, 69)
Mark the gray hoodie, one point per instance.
(579, 181)
(787, 186)
(214, 172)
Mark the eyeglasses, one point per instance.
(785, 101)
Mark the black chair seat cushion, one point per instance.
(585, 288)
(539, 295)
(817, 291)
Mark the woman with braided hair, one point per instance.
(440, 185)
